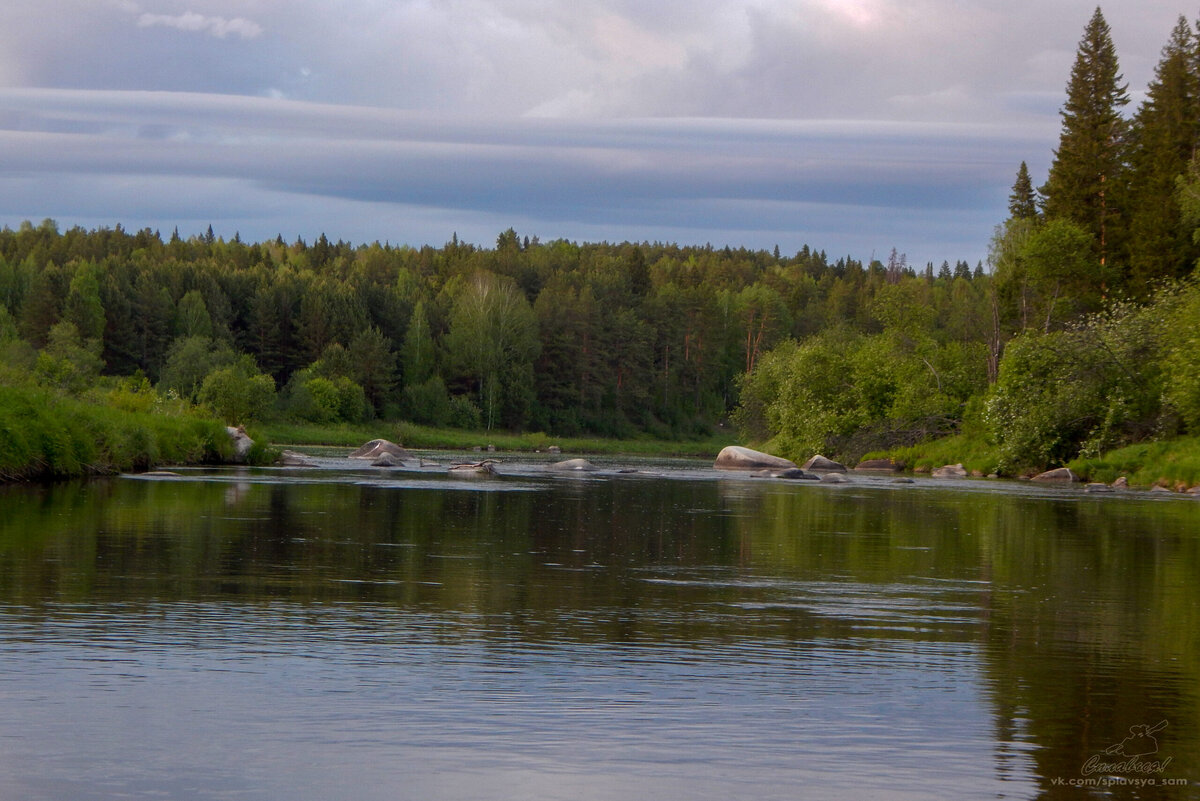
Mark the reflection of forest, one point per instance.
(1085, 610)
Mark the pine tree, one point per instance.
(1090, 155)
(1022, 203)
(1164, 134)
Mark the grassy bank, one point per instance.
(974, 454)
(420, 437)
(1173, 463)
(44, 436)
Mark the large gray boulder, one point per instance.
(735, 457)
(949, 471)
(1058, 474)
(378, 447)
(241, 443)
(822, 465)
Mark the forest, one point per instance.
(1079, 335)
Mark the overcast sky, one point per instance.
(853, 126)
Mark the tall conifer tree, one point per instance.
(1164, 136)
(1022, 203)
(1090, 155)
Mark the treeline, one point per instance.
(560, 337)
(1083, 335)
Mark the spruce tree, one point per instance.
(1022, 203)
(1163, 137)
(1090, 156)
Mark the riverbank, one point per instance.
(44, 436)
(1172, 463)
(414, 436)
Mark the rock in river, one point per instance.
(821, 464)
(378, 447)
(1058, 474)
(735, 457)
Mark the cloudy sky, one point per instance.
(853, 126)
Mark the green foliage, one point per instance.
(67, 363)
(1083, 390)
(1182, 363)
(373, 366)
(846, 394)
(428, 403)
(238, 393)
(1022, 202)
(43, 435)
(192, 318)
(189, 360)
(319, 399)
(493, 342)
(464, 413)
(1167, 463)
(1088, 161)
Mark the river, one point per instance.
(673, 633)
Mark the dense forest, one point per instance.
(1063, 345)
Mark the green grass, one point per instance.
(45, 436)
(1169, 463)
(414, 436)
(974, 454)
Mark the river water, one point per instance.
(675, 633)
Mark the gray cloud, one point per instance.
(219, 27)
(844, 124)
(697, 176)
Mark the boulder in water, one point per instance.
(949, 471)
(1057, 474)
(822, 465)
(294, 459)
(736, 457)
(378, 447)
(241, 443)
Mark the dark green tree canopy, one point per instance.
(1022, 203)
(1089, 159)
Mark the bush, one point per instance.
(1078, 392)
(464, 413)
(238, 393)
(428, 403)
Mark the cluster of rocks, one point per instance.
(764, 465)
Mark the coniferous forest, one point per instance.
(1079, 335)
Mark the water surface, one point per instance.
(674, 633)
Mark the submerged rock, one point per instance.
(735, 457)
(378, 447)
(386, 460)
(879, 465)
(1097, 488)
(834, 478)
(902, 481)
(294, 459)
(582, 465)
(482, 469)
(796, 474)
(949, 471)
(823, 465)
(1058, 474)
